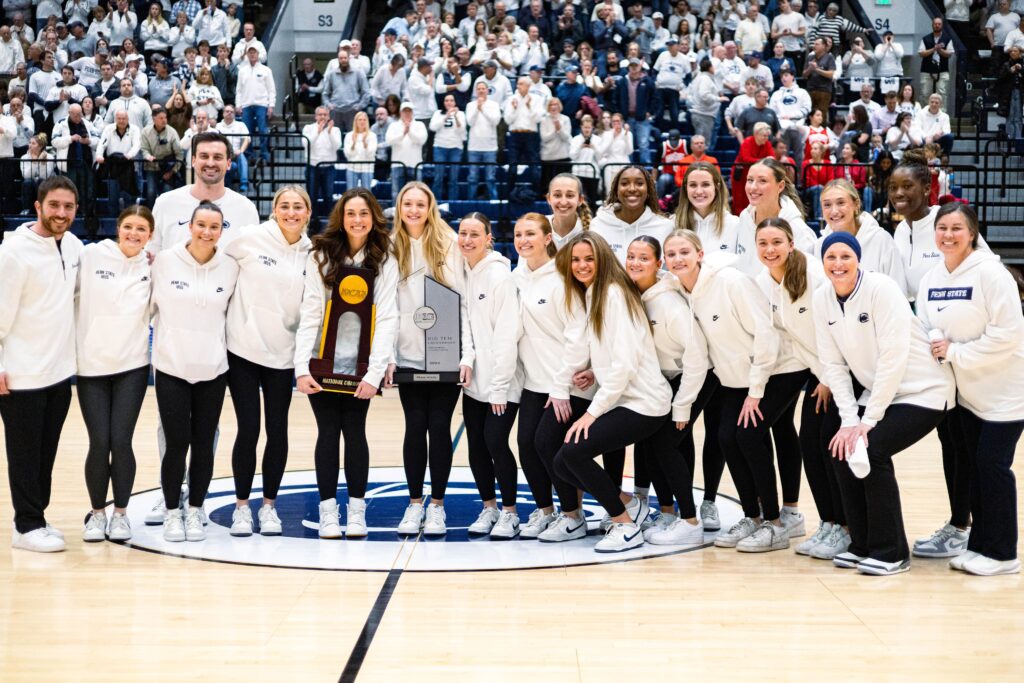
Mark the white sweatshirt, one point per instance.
(113, 310)
(37, 308)
(547, 327)
(409, 351)
(173, 212)
(624, 361)
(493, 304)
(619, 234)
(561, 241)
(314, 304)
(190, 304)
(733, 314)
(678, 340)
(795, 320)
(727, 242)
(977, 308)
(263, 315)
(917, 248)
(878, 250)
(803, 236)
(875, 336)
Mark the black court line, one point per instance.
(362, 646)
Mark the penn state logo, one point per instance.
(863, 317)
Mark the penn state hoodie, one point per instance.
(493, 303)
(619, 234)
(878, 250)
(795, 319)
(917, 248)
(803, 236)
(727, 242)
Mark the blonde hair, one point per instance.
(360, 116)
(545, 227)
(686, 234)
(438, 236)
(844, 185)
(297, 189)
(684, 212)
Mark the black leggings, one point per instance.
(489, 453)
(245, 379)
(712, 457)
(428, 410)
(816, 431)
(670, 453)
(990, 449)
(787, 450)
(550, 435)
(873, 512)
(340, 415)
(110, 408)
(956, 467)
(616, 429)
(190, 414)
(746, 448)
(33, 420)
(531, 410)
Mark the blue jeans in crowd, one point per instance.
(359, 175)
(320, 184)
(240, 170)
(490, 173)
(255, 119)
(452, 155)
(641, 129)
(668, 99)
(522, 149)
(400, 175)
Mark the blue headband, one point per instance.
(843, 238)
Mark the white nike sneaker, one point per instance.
(620, 538)
(638, 510)
(564, 528)
(241, 521)
(485, 521)
(270, 523)
(156, 516)
(330, 527)
(663, 522)
(793, 521)
(435, 521)
(805, 548)
(709, 516)
(680, 532)
(536, 523)
(355, 518)
(412, 520)
(38, 541)
(606, 523)
(738, 531)
(960, 560)
(979, 565)
(174, 526)
(194, 530)
(120, 529)
(507, 526)
(54, 531)
(768, 537)
(95, 527)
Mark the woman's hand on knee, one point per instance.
(581, 425)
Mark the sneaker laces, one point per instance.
(329, 516)
(708, 510)
(269, 514)
(535, 517)
(944, 534)
(435, 514)
(193, 521)
(484, 515)
(506, 518)
(93, 523)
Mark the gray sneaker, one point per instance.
(946, 542)
(740, 530)
(805, 548)
(794, 523)
(663, 522)
(536, 524)
(768, 537)
(837, 542)
(709, 516)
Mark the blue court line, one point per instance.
(458, 436)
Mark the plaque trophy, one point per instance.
(440, 319)
(351, 299)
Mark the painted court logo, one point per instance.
(299, 545)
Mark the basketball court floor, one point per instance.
(460, 609)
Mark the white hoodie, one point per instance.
(547, 327)
(794, 320)
(37, 308)
(385, 328)
(803, 236)
(878, 250)
(875, 336)
(918, 250)
(727, 242)
(678, 340)
(561, 241)
(263, 315)
(113, 310)
(409, 351)
(619, 234)
(624, 361)
(977, 308)
(494, 319)
(733, 314)
(190, 304)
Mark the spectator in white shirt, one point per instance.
(323, 141)
(181, 36)
(11, 51)
(934, 124)
(139, 113)
(555, 139)
(154, 32)
(212, 26)
(752, 32)
(406, 137)
(389, 80)
(356, 59)
(889, 57)
(729, 69)
(255, 97)
(360, 149)
(903, 135)
(522, 143)
(997, 28)
(420, 87)
(248, 39)
(64, 94)
(499, 89)
(238, 134)
(123, 23)
(116, 153)
(449, 128)
(483, 115)
(203, 94)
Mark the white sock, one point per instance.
(791, 509)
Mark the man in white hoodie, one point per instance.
(38, 272)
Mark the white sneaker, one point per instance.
(485, 521)
(174, 526)
(620, 537)
(241, 521)
(768, 537)
(412, 520)
(847, 560)
(54, 531)
(638, 509)
(680, 532)
(434, 524)
(946, 542)
(878, 568)
(663, 522)
(355, 518)
(270, 523)
(120, 529)
(986, 566)
(202, 515)
(194, 530)
(963, 558)
(507, 526)
(564, 528)
(330, 527)
(838, 542)
(536, 523)
(95, 527)
(38, 541)
(606, 522)
(805, 548)
(709, 516)
(793, 521)
(739, 531)
(157, 515)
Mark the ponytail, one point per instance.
(583, 212)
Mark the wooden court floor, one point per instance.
(104, 612)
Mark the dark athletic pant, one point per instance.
(428, 412)
(956, 468)
(489, 453)
(990, 449)
(670, 453)
(339, 415)
(550, 434)
(712, 457)
(787, 451)
(531, 410)
(574, 462)
(190, 414)
(33, 420)
(746, 448)
(110, 408)
(872, 504)
(245, 379)
(816, 431)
